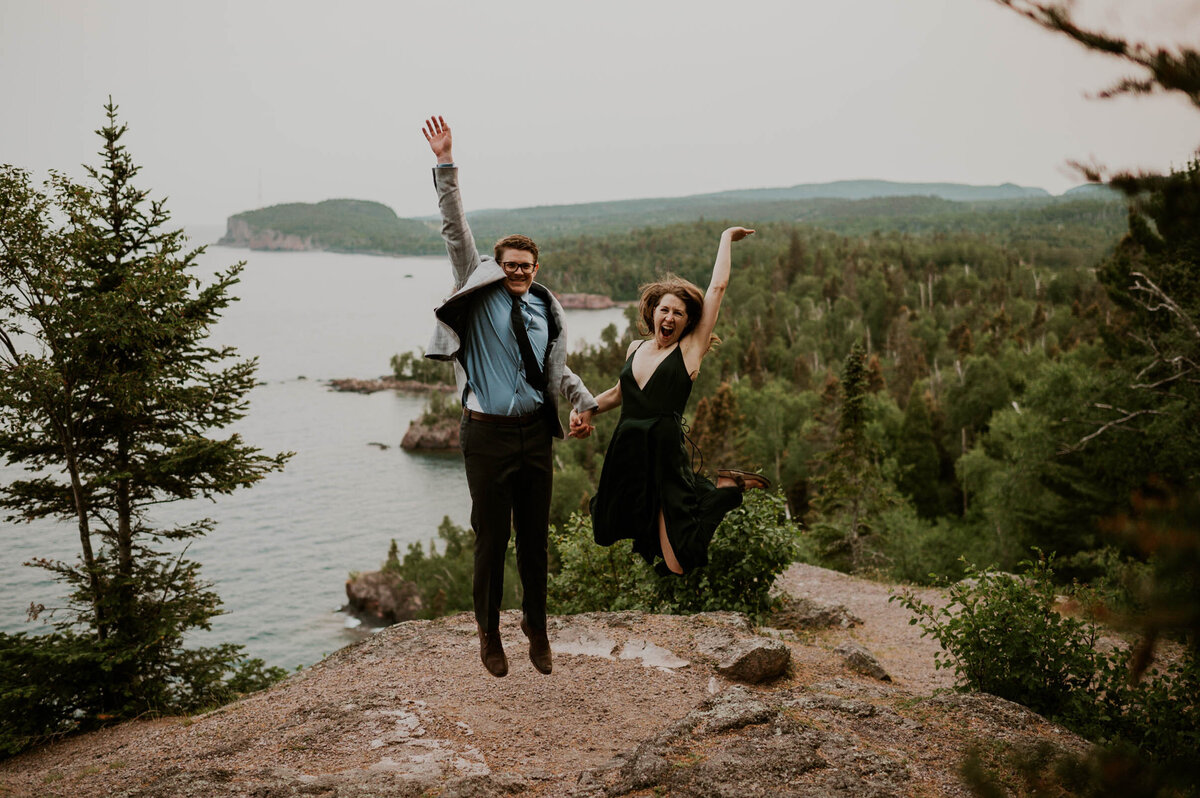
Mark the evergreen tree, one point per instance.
(110, 397)
(851, 492)
(917, 455)
(716, 427)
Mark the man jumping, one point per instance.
(506, 336)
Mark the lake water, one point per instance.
(281, 550)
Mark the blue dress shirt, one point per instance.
(492, 357)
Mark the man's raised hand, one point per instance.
(437, 133)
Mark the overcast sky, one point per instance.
(238, 105)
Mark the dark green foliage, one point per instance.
(343, 225)
(443, 579)
(1002, 769)
(112, 399)
(591, 578)
(753, 545)
(1006, 635)
(922, 551)
(617, 258)
(442, 408)
(852, 493)
(46, 680)
(1001, 634)
(917, 456)
(43, 679)
(416, 367)
(980, 391)
(1154, 278)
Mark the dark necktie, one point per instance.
(533, 372)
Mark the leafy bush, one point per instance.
(753, 545)
(444, 579)
(58, 683)
(441, 408)
(922, 551)
(591, 578)
(418, 368)
(1002, 635)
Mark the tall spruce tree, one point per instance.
(917, 456)
(851, 491)
(112, 399)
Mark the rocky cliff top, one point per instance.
(637, 704)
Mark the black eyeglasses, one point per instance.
(512, 266)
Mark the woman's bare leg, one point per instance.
(725, 482)
(668, 553)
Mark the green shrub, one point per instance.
(444, 579)
(921, 551)
(753, 545)
(57, 683)
(1002, 635)
(418, 368)
(441, 408)
(591, 578)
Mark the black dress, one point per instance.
(647, 468)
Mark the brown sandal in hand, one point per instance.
(745, 480)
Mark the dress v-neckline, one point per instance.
(654, 373)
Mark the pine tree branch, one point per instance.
(1082, 443)
(1161, 301)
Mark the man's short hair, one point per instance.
(516, 242)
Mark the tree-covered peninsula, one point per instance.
(336, 225)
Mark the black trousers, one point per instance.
(510, 476)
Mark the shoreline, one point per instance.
(368, 386)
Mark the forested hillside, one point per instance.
(850, 207)
(983, 358)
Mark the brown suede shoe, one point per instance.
(745, 480)
(539, 648)
(491, 651)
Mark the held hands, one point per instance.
(581, 424)
(437, 133)
(737, 233)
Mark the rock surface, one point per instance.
(382, 598)
(808, 613)
(439, 436)
(751, 660)
(240, 234)
(352, 385)
(585, 301)
(859, 660)
(633, 707)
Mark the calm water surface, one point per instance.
(281, 551)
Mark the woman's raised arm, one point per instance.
(696, 344)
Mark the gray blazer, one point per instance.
(471, 273)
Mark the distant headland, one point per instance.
(361, 226)
(336, 225)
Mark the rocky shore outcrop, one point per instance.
(381, 598)
(351, 385)
(240, 234)
(441, 435)
(586, 301)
